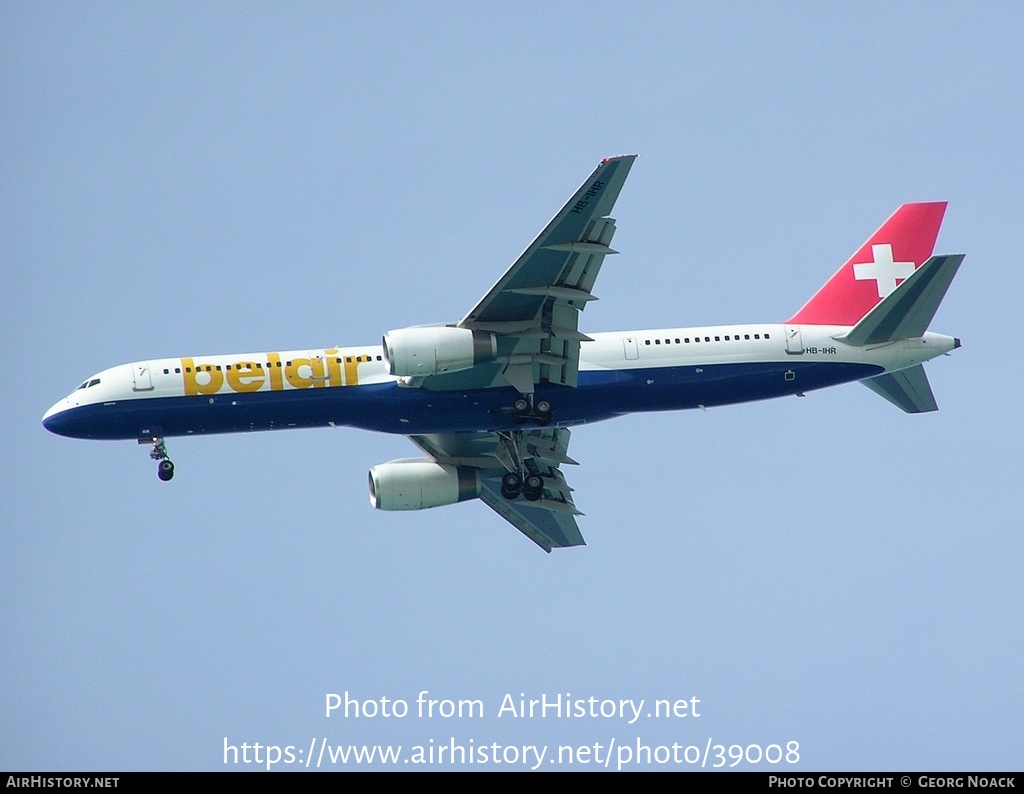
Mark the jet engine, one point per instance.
(433, 349)
(418, 483)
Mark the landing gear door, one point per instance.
(794, 340)
(142, 378)
(629, 347)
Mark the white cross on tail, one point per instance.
(883, 270)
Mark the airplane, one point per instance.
(491, 399)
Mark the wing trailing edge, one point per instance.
(545, 524)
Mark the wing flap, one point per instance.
(550, 522)
(547, 527)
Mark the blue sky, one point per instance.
(186, 180)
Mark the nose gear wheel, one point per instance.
(165, 467)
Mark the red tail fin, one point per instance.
(890, 255)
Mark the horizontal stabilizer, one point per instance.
(907, 389)
(907, 311)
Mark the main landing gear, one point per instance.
(519, 479)
(165, 468)
(524, 409)
(531, 486)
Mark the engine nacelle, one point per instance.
(431, 350)
(415, 484)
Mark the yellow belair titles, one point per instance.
(332, 367)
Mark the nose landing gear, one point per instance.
(165, 467)
(165, 470)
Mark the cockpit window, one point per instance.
(93, 382)
(83, 385)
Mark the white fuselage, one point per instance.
(219, 382)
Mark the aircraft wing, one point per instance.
(534, 307)
(549, 522)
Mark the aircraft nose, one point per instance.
(54, 419)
